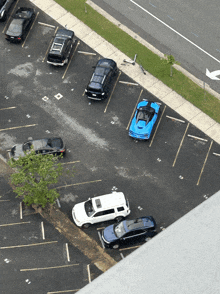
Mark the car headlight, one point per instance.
(103, 93)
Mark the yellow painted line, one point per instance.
(30, 29)
(100, 228)
(70, 60)
(13, 224)
(112, 92)
(134, 109)
(4, 200)
(8, 108)
(83, 93)
(13, 128)
(49, 45)
(129, 248)
(9, 19)
(45, 268)
(64, 291)
(151, 142)
(71, 162)
(28, 245)
(79, 184)
(181, 143)
(204, 163)
(89, 275)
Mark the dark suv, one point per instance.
(61, 47)
(99, 85)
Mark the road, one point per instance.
(189, 30)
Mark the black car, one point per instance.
(44, 146)
(128, 231)
(5, 6)
(20, 24)
(61, 47)
(99, 85)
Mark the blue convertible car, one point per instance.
(144, 119)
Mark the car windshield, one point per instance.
(119, 230)
(89, 207)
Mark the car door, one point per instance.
(104, 215)
(133, 236)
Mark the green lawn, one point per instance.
(150, 61)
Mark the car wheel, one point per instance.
(116, 246)
(86, 226)
(119, 219)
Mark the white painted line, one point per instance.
(89, 275)
(197, 138)
(42, 229)
(4, 200)
(28, 245)
(100, 238)
(204, 163)
(70, 162)
(86, 53)
(64, 291)
(21, 215)
(13, 224)
(58, 203)
(173, 118)
(122, 256)
(175, 31)
(67, 252)
(181, 143)
(216, 154)
(128, 83)
(45, 268)
(46, 25)
(12, 107)
(13, 128)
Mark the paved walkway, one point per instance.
(184, 108)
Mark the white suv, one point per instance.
(101, 208)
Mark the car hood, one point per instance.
(79, 212)
(17, 151)
(109, 234)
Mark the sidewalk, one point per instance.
(184, 108)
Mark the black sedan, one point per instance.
(5, 6)
(128, 231)
(44, 146)
(20, 24)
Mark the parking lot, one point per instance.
(165, 177)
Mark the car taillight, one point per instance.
(62, 150)
(19, 38)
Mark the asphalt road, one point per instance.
(165, 177)
(188, 30)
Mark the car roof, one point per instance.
(108, 200)
(65, 33)
(139, 223)
(42, 143)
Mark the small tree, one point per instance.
(35, 173)
(171, 61)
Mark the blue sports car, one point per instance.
(144, 119)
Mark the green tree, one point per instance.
(34, 176)
(171, 61)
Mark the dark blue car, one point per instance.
(128, 231)
(144, 120)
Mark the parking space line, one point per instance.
(129, 83)
(177, 119)
(151, 142)
(50, 45)
(70, 162)
(42, 229)
(4, 200)
(89, 275)
(122, 256)
(12, 107)
(112, 92)
(10, 17)
(29, 245)
(67, 252)
(216, 154)
(197, 138)
(78, 184)
(30, 29)
(204, 162)
(122, 249)
(46, 268)
(134, 109)
(100, 238)
(13, 128)
(14, 224)
(86, 53)
(181, 143)
(70, 60)
(21, 214)
(46, 25)
(64, 291)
